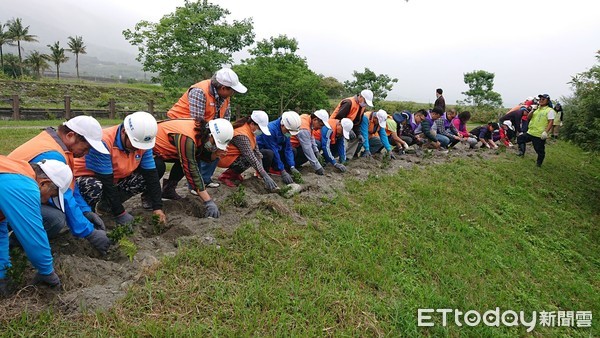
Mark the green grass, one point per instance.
(470, 234)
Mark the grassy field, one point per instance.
(472, 234)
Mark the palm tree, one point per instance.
(4, 39)
(57, 56)
(76, 47)
(11, 65)
(37, 61)
(16, 32)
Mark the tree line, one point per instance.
(13, 32)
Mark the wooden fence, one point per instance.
(16, 112)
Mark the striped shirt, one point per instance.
(198, 103)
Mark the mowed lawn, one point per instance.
(471, 234)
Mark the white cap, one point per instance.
(508, 124)
(229, 78)
(90, 129)
(381, 117)
(61, 175)
(529, 98)
(368, 95)
(262, 119)
(347, 125)
(141, 128)
(291, 121)
(323, 116)
(221, 131)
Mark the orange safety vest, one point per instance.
(355, 113)
(181, 109)
(232, 151)
(304, 124)
(373, 125)
(333, 123)
(47, 140)
(123, 163)
(164, 148)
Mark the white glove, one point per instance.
(544, 135)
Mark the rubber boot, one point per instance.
(168, 191)
(228, 177)
(521, 149)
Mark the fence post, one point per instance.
(67, 107)
(111, 108)
(151, 107)
(15, 106)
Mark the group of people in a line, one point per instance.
(73, 176)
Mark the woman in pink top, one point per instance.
(460, 123)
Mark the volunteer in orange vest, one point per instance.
(73, 139)
(334, 135)
(242, 152)
(207, 100)
(107, 180)
(180, 142)
(353, 108)
(373, 132)
(23, 186)
(304, 138)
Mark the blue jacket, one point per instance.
(20, 203)
(326, 146)
(277, 142)
(75, 205)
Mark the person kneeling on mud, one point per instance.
(23, 186)
(279, 143)
(180, 141)
(306, 141)
(373, 131)
(485, 135)
(107, 180)
(335, 137)
(243, 153)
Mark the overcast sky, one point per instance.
(532, 46)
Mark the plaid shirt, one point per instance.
(197, 101)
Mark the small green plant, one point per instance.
(119, 232)
(238, 198)
(158, 227)
(128, 248)
(284, 190)
(16, 271)
(297, 177)
(386, 161)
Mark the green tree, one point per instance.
(481, 93)
(57, 57)
(379, 84)
(37, 62)
(76, 47)
(190, 44)
(333, 88)
(582, 110)
(17, 32)
(11, 65)
(4, 40)
(278, 79)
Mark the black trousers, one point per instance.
(539, 146)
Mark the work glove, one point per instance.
(211, 209)
(340, 167)
(367, 154)
(4, 292)
(95, 220)
(392, 156)
(124, 218)
(352, 135)
(99, 241)
(269, 183)
(287, 179)
(320, 171)
(295, 171)
(544, 135)
(51, 280)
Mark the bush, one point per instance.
(582, 111)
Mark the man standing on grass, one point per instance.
(73, 139)
(541, 121)
(440, 101)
